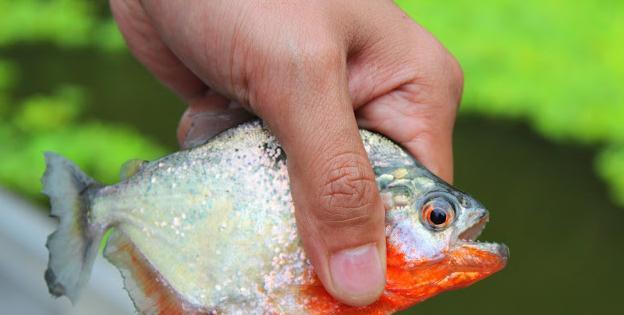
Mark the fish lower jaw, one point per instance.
(474, 243)
(468, 239)
(498, 249)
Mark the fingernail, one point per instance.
(207, 124)
(198, 133)
(357, 271)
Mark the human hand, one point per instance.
(313, 71)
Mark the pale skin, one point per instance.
(313, 71)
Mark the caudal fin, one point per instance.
(74, 244)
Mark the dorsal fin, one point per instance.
(149, 291)
(130, 168)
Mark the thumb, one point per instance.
(339, 213)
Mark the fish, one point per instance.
(211, 230)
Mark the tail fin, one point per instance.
(74, 244)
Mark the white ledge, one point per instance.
(23, 258)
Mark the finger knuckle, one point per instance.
(295, 63)
(348, 193)
(313, 56)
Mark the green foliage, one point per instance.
(5, 83)
(51, 124)
(39, 123)
(108, 38)
(67, 23)
(610, 164)
(41, 114)
(558, 65)
(6, 75)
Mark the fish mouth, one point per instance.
(468, 239)
(471, 233)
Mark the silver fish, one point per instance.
(211, 230)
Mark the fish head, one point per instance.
(431, 236)
(431, 232)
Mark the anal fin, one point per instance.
(149, 291)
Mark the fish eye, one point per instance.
(438, 213)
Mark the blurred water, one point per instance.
(546, 203)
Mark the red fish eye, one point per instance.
(438, 213)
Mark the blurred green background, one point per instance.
(540, 137)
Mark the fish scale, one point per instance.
(212, 230)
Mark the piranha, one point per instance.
(211, 230)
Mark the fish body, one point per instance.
(211, 230)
